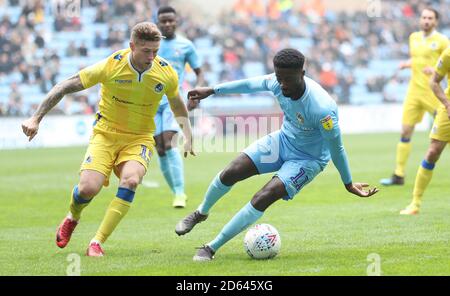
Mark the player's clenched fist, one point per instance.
(200, 93)
(30, 127)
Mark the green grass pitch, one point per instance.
(324, 230)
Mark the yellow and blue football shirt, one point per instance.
(129, 99)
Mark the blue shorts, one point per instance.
(272, 154)
(165, 120)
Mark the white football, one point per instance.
(262, 241)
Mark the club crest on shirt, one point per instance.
(433, 45)
(300, 118)
(327, 122)
(159, 88)
(88, 159)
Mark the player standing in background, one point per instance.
(133, 82)
(425, 47)
(178, 51)
(440, 133)
(309, 136)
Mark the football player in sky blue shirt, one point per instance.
(177, 51)
(309, 137)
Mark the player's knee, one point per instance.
(130, 182)
(263, 199)
(88, 189)
(230, 175)
(160, 150)
(167, 146)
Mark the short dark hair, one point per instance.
(436, 13)
(289, 58)
(166, 9)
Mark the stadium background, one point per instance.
(353, 49)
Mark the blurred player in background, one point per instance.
(425, 47)
(309, 137)
(133, 81)
(178, 51)
(440, 133)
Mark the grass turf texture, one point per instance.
(324, 230)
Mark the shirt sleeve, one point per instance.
(172, 88)
(192, 58)
(329, 128)
(443, 63)
(244, 86)
(94, 74)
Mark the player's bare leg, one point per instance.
(402, 155)
(239, 169)
(131, 174)
(424, 175)
(270, 193)
(90, 184)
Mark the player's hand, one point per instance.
(200, 93)
(428, 71)
(192, 104)
(188, 148)
(358, 189)
(30, 127)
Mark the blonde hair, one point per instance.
(145, 31)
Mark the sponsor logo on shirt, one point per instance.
(327, 123)
(123, 81)
(118, 57)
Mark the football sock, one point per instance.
(165, 169)
(175, 163)
(403, 151)
(245, 217)
(117, 209)
(423, 178)
(77, 204)
(215, 191)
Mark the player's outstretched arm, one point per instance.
(181, 115)
(244, 86)
(31, 125)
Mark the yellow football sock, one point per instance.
(77, 204)
(423, 178)
(117, 209)
(403, 151)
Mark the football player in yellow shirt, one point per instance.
(425, 48)
(133, 81)
(440, 133)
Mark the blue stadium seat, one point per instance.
(302, 44)
(253, 69)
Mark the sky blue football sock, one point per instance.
(175, 163)
(244, 218)
(165, 169)
(215, 191)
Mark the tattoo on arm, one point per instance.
(71, 85)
